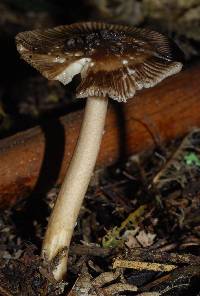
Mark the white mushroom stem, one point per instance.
(63, 218)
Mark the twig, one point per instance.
(149, 294)
(162, 257)
(186, 273)
(118, 288)
(90, 251)
(118, 263)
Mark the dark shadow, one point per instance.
(36, 209)
(122, 131)
(121, 125)
(152, 130)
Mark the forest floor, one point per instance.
(138, 232)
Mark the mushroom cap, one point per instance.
(113, 60)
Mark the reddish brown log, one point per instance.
(38, 158)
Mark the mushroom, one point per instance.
(114, 61)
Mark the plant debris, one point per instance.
(28, 275)
(183, 165)
(114, 237)
(103, 284)
(147, 220)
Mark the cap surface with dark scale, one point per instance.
(113, 60)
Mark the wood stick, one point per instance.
(141, 265)
(162, 257)
(38, 158)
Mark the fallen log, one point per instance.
(38, 158)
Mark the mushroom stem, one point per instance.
(63, 218)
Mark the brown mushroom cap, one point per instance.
(113, 60)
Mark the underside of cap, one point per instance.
(113, 60)
(122, 85)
